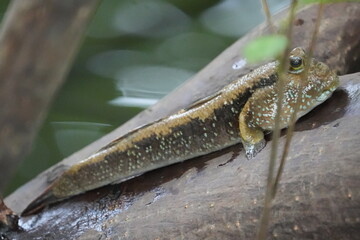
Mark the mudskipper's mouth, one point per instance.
(327, 93)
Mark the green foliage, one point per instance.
(325, 1)
(264, 48)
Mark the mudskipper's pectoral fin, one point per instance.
(252, 150)
(252, 138)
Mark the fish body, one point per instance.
(240, 112)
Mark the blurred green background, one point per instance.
(134, 53)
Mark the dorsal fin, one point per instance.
(202, 101)
(193, 105)
(114, 142)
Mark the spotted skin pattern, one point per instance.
(248, 104)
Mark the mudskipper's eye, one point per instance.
(296, 65)
(296, 62)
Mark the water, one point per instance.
(135, 52)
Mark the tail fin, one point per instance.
(40, 202)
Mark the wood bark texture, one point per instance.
(220, 196)
(8, 219)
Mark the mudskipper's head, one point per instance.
(317, 80)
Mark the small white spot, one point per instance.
(239, 64)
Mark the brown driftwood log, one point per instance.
(220, 196)
(38, 40)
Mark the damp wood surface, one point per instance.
(220, 196)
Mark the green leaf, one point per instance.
(303, 2)
(264, 48)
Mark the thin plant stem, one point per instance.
(283, 65)
(269, 21)
(290, 131)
